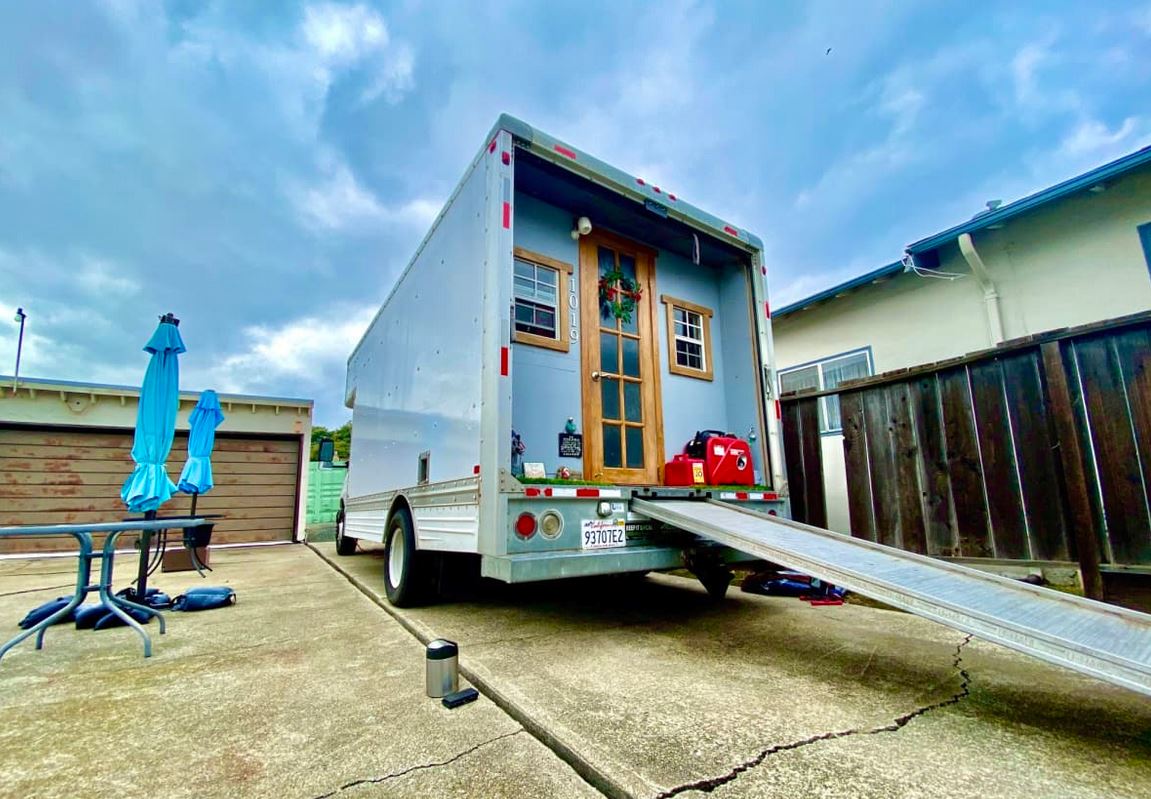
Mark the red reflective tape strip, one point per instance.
(531, 492)
(767, 309)
(587, 492)
(492, 146)
(741, 495)
(731, 230)
(547, 492)
(640, 181)
(656, 189)
(507, 215)
(564, 151)
(504, 361)
(671, 197)
(506, 157)
(476, 469)
(770, 497)
(763, 269)
(778, 412)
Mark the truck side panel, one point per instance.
(414, 381)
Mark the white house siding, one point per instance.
(1073, 262)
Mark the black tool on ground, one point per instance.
(457, 698)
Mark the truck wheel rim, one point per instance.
(396, 558)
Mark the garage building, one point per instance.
(65, 451)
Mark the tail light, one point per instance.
(526, 525)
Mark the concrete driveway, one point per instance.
(305, 688)
(650, 689)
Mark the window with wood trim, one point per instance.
(541, 300)
(688, 338)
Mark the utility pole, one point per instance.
(20, 317)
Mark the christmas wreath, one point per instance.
(618, 295)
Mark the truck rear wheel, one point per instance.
(407, 572)
(344, 544)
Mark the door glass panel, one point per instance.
(606, 261)
(609, 389)
(630, 356)
(612, 450)
(609, 353)
(627, 266)
(635, 447)
(632, 402)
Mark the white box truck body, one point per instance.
(555, 293)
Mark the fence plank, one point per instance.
(1116, 456)
(939, 530)
(881, 465)
(996, 451)
(1035, 460)
(793, 459)
(963, 465)
(855, 460)
(906, 449)
(1087, 529)
(1133, 349)
(812, 444)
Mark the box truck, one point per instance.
(561, 332)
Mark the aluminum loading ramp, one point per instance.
(1104, 641)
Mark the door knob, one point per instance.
(595, 376)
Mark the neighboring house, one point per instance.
(1077, 252)
(65, 451)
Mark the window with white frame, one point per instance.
(540, 300)
(688, 338)
(826, 374)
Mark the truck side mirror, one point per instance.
(327, 450)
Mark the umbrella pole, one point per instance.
(145, 548)
(195, 495)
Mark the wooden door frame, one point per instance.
(650, 359)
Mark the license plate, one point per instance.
(603, 534)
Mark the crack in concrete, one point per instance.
(421, 767)
(710, 784)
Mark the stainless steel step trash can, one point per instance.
(443, 668)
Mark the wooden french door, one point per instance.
(623, 427)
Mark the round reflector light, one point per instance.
(551, 524)
(525, 525)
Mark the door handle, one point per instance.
(595, 377)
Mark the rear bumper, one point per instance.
(533, 567)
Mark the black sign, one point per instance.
(571, 445)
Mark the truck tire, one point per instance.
(407, 572)
(344, 544)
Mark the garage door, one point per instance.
(66, 476)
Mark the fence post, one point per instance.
(1080, 517)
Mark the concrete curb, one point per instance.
(591, 774)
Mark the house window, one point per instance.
(826, 374)
(540, 291)
(1145, 238)
(688, 338)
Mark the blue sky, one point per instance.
(265, 170)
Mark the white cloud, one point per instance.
(340, 202)
(305, 350)
(342, 34)
(102, 278)
(1094, 139)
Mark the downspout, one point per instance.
(990, 291)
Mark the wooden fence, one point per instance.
(1038, 450)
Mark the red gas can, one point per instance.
(683, 470)
(727, 461)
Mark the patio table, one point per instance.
(83, 534)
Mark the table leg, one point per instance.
(83, 583)
(113, 603)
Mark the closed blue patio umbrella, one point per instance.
(148, 487)
(196, 477)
